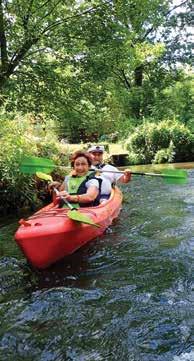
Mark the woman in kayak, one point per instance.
(81, 187)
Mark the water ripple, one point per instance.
(126, 296)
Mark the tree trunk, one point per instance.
(138, 75)
(3, 50)
(3, 42)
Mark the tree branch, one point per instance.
(121, 75)
(29, 40)
(27, 16)
(45, 3)
(20, 55)
(128, 85)
(168, 12)
(50, 12)
(59, 22)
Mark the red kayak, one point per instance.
(49, 235)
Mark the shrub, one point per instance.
(18, 138)
(16, 189)
(134, 158)
(165, 155)
(166, 141)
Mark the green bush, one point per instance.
(135, 158)
(166, 141)
(16, 189)
(165, 155)
(18, 138)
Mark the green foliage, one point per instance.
(16, 189)
(136, 158)
(18, 138)
(175, 100)
(91, 65)
(166, 141)
(165, 155)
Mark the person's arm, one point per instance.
(87, 197)
(115, 177)
(126, 177)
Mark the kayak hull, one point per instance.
(49, 235)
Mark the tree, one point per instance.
(143, 51)
(29, 27)
(77, 61)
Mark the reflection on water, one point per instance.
(125, 296)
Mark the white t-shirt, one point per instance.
(108, 178)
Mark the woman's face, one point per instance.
(81, 166)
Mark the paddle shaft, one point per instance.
(34, 164)
(139, 173)
(65, 200)
(38, 163)
(99, 170)
(122, 172)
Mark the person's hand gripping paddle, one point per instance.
(73, 213)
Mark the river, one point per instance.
(127, 296)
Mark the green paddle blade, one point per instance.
(175, 176)
(31, 165)
(46, 177)
(80, 217)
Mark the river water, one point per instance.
(127, 296)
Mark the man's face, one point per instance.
(97, 157)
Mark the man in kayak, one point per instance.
(81, 187)
(110, 177)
